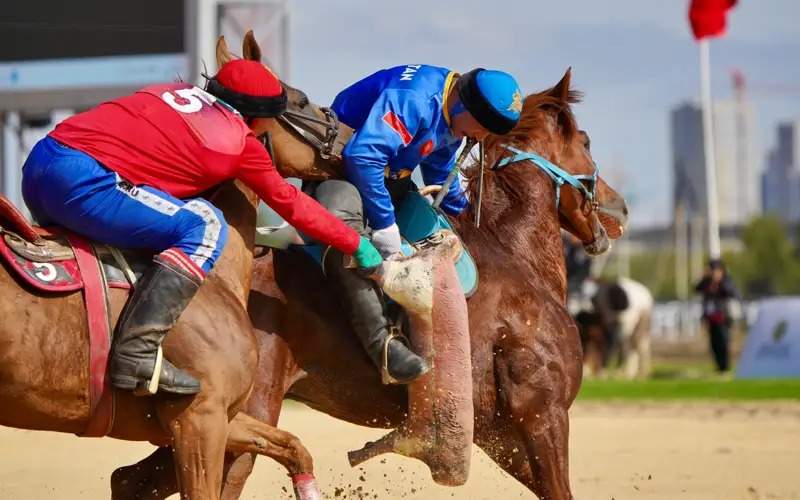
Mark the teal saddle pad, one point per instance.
(418, 220)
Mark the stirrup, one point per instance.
(152, 386)
(394, 333)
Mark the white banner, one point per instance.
(772, 349)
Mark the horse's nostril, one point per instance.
(625, 210)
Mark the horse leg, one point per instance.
(199, 437)
(157, 477)
(152, 478)
(534, 453)
(277, 371)
(546, 442)
(248, 435)
(503, 446)
(248, 438)
(239, 464)
(537, 380)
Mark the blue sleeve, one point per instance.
(393, 120)
(435, 169)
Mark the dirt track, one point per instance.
(705, 451)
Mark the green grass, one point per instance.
(688, 379)
(712, 388)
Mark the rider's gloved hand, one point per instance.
(387, 240)
(367, 257)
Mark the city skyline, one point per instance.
(781, 181)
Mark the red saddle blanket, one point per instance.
(50, 266)
(59, 261)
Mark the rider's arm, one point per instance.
(392, 122)
(435, 169)
(300, 210)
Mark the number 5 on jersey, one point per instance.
(189, 100)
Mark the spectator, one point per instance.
(717, 290)
(579, 264)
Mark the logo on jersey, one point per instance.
(516, 102)
(426, 148)
(409, 72)
(396, 124)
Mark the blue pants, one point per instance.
(70, 188)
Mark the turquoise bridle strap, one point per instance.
(558, 174)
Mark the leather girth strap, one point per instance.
(101, 413)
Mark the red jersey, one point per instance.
(183, 141)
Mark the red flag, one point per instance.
(707, 17)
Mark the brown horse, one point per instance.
(526, 354)
(44, 358)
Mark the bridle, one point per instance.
(308, 127)
(558, 175)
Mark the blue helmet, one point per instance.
(492, 97)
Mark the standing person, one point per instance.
(129, 173)
(718, 290)
(579, 264)
(404, 117)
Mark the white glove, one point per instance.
(387, 240)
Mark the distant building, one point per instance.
(738, 165)
(738, 174)
(688, 160)
(781, 180)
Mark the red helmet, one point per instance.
(250, 87)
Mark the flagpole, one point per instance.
(708, 149)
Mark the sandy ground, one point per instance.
(666, 451)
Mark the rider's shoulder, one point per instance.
(213, 122)
(422, 77)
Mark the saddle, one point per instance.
(45, 258)
(56, 261)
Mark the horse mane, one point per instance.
(518, 204)
(530, 118)
(528, 132)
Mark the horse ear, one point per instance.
(561, 90)
(250, 48)
(223, 53)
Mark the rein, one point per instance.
(556, 173)
(451, 177)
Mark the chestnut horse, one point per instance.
(526, 353)
(44, 366)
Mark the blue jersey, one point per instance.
(400, 122)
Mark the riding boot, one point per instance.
(159, 298)
(361, 298)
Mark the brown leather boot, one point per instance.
(388, 351)
(159, 298)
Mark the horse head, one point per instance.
(586, 206)
(250, 51)
(293, 156)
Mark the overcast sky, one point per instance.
(633, 59)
